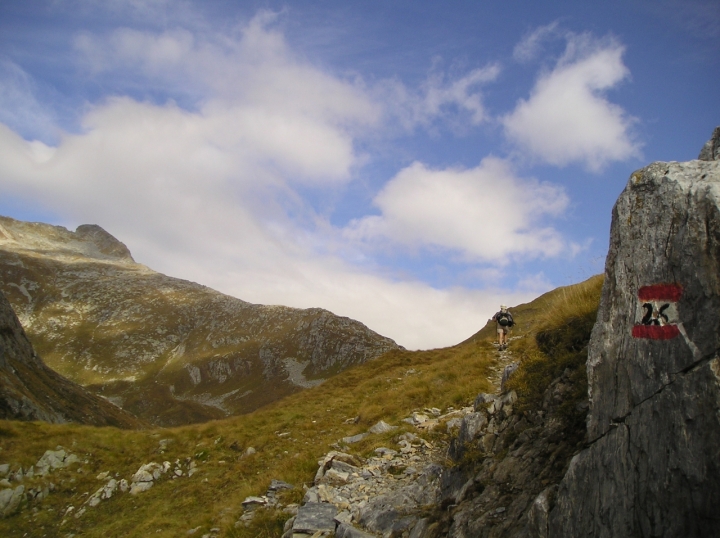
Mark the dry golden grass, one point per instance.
(572, 302)
(388, 388)
(559, 342)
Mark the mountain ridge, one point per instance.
(168, 350)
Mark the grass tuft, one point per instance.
(558, 344)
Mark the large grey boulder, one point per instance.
(10, 500)
(54, 459)
(653, 466)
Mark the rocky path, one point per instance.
(386, 494)
(505, 358)
(377, 494)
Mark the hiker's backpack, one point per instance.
(505, 319)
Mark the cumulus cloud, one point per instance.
(170, 201)
(256, 100)
(486, 213)
(567, 117)
(211, 192)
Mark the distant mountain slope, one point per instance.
(165, 349)
(29, 390)
(289, 437)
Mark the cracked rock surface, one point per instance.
(653, 466)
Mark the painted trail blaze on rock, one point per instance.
(657, 312)
(652, 466)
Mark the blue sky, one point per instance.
(408, 164)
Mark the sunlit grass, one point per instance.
(389, 388)
(559, 342)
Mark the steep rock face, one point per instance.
(29, 390)
(165, 349)
(653, 466)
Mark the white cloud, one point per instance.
(170, 203)
(415, 314)
(19, 107)
(531, 45)
(454, 100)
(211, 193)
(258, 70)
(486, 213)
(462, 93)
(256, 99)
(567, 117)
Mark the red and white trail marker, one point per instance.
(657, 314)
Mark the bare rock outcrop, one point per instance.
(653, 465)
(711, 149)
(106, 243)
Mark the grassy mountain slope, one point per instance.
(288, 435)
(167, 350)
(29, 390)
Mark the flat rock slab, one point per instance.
(346, 530)
(313, 517)
(277, 485)
(354, 439)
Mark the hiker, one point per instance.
(504, 321)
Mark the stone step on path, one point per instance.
(384, 495)
(370, 497)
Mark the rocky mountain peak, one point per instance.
(168, 350)
(88, 241)
(105, 242)
(711, 149)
